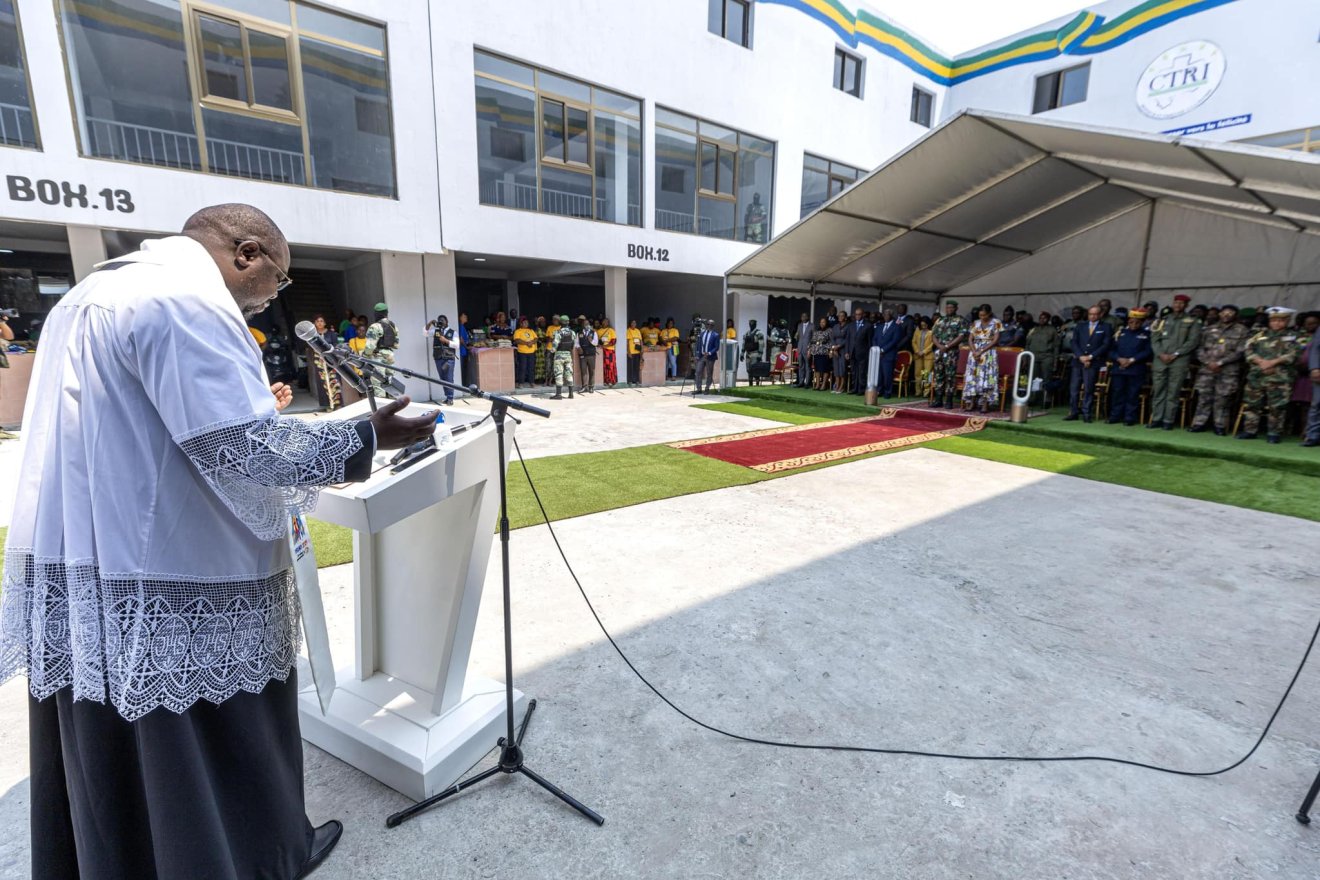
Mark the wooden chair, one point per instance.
(902, 368)
(782, 365)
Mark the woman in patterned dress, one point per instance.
(981, 379)
(539, 366)
(923, 355)
(821, 362)
(609, 360)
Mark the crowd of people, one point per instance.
(1182, 358)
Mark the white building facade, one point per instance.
(583, 157)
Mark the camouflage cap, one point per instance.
(381, 307)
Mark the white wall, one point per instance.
(164, 198)
(1273, 62)
(660, 52)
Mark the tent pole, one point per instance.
(1145, 255)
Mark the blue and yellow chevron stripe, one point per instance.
(1086, 34)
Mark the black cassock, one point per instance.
(214, 793)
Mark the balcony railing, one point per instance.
(162, 147)
(16, 126)
(511, 194)
(680, 221)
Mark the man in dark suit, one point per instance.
(707, 352)
(1090, 346)
(803, 348)
(888, 336)
(908, 323)
(857, 346)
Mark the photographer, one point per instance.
(444, 348)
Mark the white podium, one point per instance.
(407, 712)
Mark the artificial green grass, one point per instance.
(810, 397)
(788, 413)
(1251, 486)
(333, 544)
(1288, 455)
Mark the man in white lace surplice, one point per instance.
(147, 573)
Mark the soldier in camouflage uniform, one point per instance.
(780, 340)
(382, 339)
(950, 331)
(1272, 358)
(752, 342)
(562, 344)
(1174, 337)
(1223, 348)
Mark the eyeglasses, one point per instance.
(285, 280)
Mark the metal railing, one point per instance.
(680, 221)
(164, 148)
(16, 126)
(511, 194)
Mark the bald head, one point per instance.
(248, 248)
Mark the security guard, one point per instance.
(1272, 366)
(753, 340)
(382, 340)
(1129, 355)
(780, 339)
(1222, 353)
(1174, 337)
(562, 344)
(1043, 343)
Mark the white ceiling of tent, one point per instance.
(996, 204)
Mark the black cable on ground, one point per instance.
(917, 753)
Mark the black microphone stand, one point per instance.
(510, 745)
(1304, 814)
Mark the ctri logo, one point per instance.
(1181, 79)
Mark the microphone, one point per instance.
(306, 331)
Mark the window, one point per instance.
(712, 180)
(847, 73)
(18, 126)
(556, 145)
(731, 19)
(1061, 88)
(923, 104)
(1306, 139)
(263, 89)
(823, 179)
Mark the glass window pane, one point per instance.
(816, 162)
(837, 185)
(565, 192)
(727, 158)
(755, 196)
(270, 10)
(715, 217)
(851, 69)
(715, 17)
(618, 169)
(709, 163)
(259, 149)
(505, 69)
(341, 27)
(735, 26)
(506, 145)
(1074, 85)
(578, 141)
(348, 118)
(17, 125)
(616, 102)
(748, 142)
(815, 189)
(1046, 87)
(552, 130)
(712, 132)
(222, 59)
(130, 82)
(564, 88)
(675, 180)
(675, 120)
(838, 69)
(270, 70)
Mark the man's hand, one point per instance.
(1315, 375)
(394, 431)
(1213, 366)
(1167, 358)
(283, 395)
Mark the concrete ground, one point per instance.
(918, 600)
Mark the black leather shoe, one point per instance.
(1112, 421)
(1086, 419)
(1071, 417)
(324, 838)
(1154, 425)
(1311, 441)
(1273, 438)
(1128, 424)
(1197, 429)
(1245, 435)
(1167, 427)
(1219, 432)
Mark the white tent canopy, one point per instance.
(1012, 210)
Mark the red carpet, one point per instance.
(796, 446)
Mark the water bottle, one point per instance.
(443, 438)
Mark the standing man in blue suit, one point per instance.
(708, 351)
(1130, 354)
(888, 337)
(857, 347)
(1090, 346)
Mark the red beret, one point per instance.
(1182, 297)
